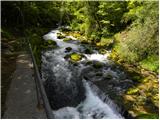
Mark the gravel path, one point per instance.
(22, 99)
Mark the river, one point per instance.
(69, 86)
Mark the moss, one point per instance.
(132, 91)
(88, 62)
(67, 39)
(49, 44)
(98, 65)
(147, 116)
(102, 51)
(88, 50)
(75, 57)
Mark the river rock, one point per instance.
(60, 36)
(97, 64)
(102, 51)
(63, 92)
(88, 63)
(68, 49)
(88, 51)
(67, 39)
(75, 57)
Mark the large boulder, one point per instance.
(65, 91)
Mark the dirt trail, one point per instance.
(21, 100)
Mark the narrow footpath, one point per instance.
(21, 100)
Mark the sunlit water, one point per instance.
(92, 106)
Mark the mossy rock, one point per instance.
(60, 36)
(102, 51)
(88, 63)
(98, 65)
(49, 44)
(67, 39)
(68, 49)
(132, 91)
(75, 57)
(88, 51)
(84, 42)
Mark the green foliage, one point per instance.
(142, 38)
(111, 14)
(30, 13)
(151, 63)
(6, 34)
(36, 43)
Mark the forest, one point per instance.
(127, 30)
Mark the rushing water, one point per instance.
(69, 85)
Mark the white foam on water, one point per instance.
(97, 57)
(91, 107)
(66, 113)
